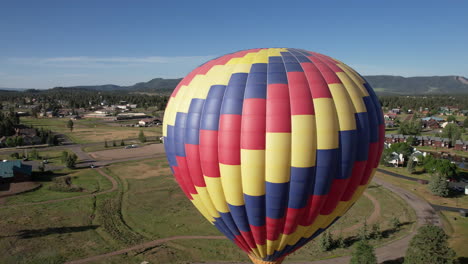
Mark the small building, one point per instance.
(14, 171)
(461, 145)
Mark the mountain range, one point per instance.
(382, 84)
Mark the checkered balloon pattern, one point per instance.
(273, 145)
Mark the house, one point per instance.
(14, 171)
(431, 123)
(461, 145)
(395, 111)
(436, 142)
(396, 159)
(417, 156)
(390, 116)
(445, 143)
(31, 140)
(25, 131)
(146, 122)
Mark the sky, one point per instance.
(44, 44)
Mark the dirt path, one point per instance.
(112, 180)
(141, 246)
(371, 219)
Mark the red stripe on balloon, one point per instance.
(373, 149)
(381, 142)
(185, 175)
(259, 234)
(248, 238)
(209, 152)
(181, 182)
(253, 124)
(193, 163)
(354, 180)
(299, 92)
(292, 219)
(314, 205)
(317, 84)
(334, 196)
(274, 227)
(229, 137)
(328, 74)
(278, 110)
(331, 63)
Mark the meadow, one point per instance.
(89, 130)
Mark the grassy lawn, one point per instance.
(91, 129)
(51, 233)
(423, 192)
(89, 179)
(457, 228)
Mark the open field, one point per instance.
(176, 216)
(457, 229)
(91, 129)
(149, 205)
(88, 179)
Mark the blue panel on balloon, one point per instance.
(300, 186)
(362, 123)
(211, 110)
(181, 119)
(255, 207)
(326, 170)
(276, 199)
(239, 215)
(192, 129)
(256, 83)
(373, 121)
(234, 95)
(348, 148)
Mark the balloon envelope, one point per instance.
(273, 145)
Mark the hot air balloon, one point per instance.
(273, 145)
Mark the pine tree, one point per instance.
(326, 241)
(122, 143)
(363, 254)
(429, 246)
(141, 137)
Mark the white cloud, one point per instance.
(106, 62)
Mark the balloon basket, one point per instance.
(256, 260)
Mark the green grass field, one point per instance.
(90, 130)
(458, 230)
(89, 179)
